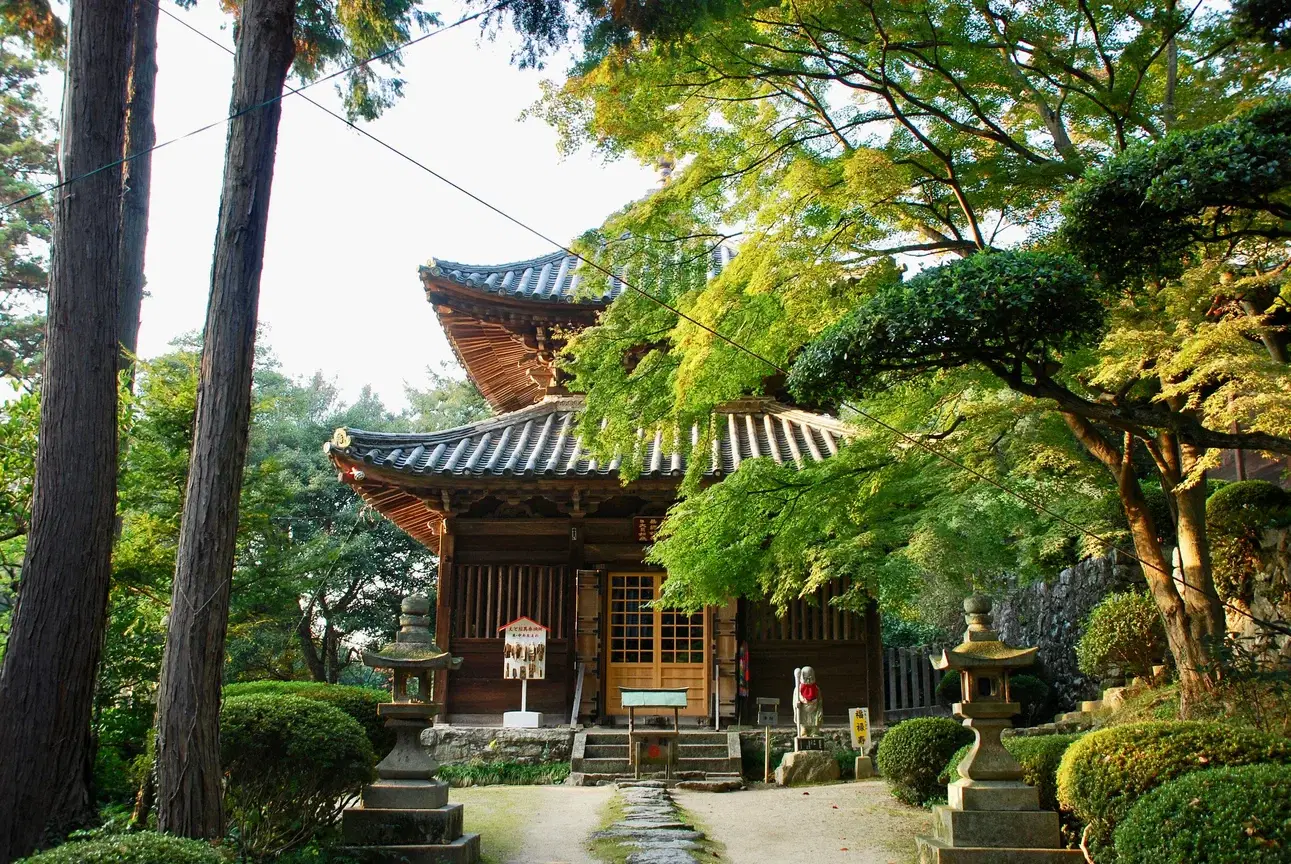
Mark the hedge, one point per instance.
(1122, 633)
(1219, 816)
(290, 765)
(913, 753)
(358, 702)
(1039, 756)
(144, 847)
(1104, 773)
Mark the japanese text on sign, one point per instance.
(644, 528)
(524, 650)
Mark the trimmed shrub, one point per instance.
(358, 702)
(950, 689)
(913, 753)
(1039, 756)
(1211, 817)
(1104, 773)
(1122, 633)
(1236, 516)
(291, 765)
(477, 772)
(144, 847)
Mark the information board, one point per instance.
(524, 650)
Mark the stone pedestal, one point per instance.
(522, 719)
(864, 767)
(806, 767)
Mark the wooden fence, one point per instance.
(910, 684)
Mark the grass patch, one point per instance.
(481, 773)
(607, 849)
(492, 815)
(710, 849)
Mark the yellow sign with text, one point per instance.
(860, 725)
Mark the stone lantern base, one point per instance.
(994, 822)
(405, 817)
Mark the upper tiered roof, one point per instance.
(505, 321)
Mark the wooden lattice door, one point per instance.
(651, 647)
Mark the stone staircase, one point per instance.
(704, 759)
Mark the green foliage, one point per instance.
(904, 633)
(357, 702)
(1236, 517)
(1220, 816)
(1266, 20)
(1039, 756)
(753, 758)
(1146, 212)
(913, 753)
(291, 765)
(1104, 773)
(145, 847)
(1006, 311)
(478, 772)
(1124, 634)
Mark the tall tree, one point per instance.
(47, 680)
(136, 179)
(190, 792)
(268, 34)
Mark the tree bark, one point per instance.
(188, 752)
(47, 680)
(136, 180)
(1187, 629)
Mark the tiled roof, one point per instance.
(541, 441)
(551, 278)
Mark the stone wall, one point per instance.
(1271, 595)
(1049, 615)
(458, 744)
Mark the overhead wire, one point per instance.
(917, 441)
(288, 91)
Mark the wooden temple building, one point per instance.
(526, 523)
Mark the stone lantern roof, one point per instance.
(982, 647)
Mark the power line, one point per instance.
(289, 91)
(915, 440)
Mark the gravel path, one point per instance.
(845, 823)
(534, 824)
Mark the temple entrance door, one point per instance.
(655, 647)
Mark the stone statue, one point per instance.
(808, 709)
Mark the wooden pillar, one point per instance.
(587, 639)
(727, 645)
(444, 608)
(874, 663)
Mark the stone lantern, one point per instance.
(992, 814)
(405, 816)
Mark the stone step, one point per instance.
(463, 850)
(686, 750)
(605, 766)
(605, 751)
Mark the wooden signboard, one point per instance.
(524, 650)
(644, 528)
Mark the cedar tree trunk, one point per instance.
(136, 180)
(47, 681)
(188, 745)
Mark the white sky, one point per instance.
(349, 221)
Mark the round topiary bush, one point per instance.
(144, 847)
(1236, 517)
(1104, 773)
(291, 764)
(1123, 633)
(1211, 817)
(358, 702)
(913, 753)
(1039, 757)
